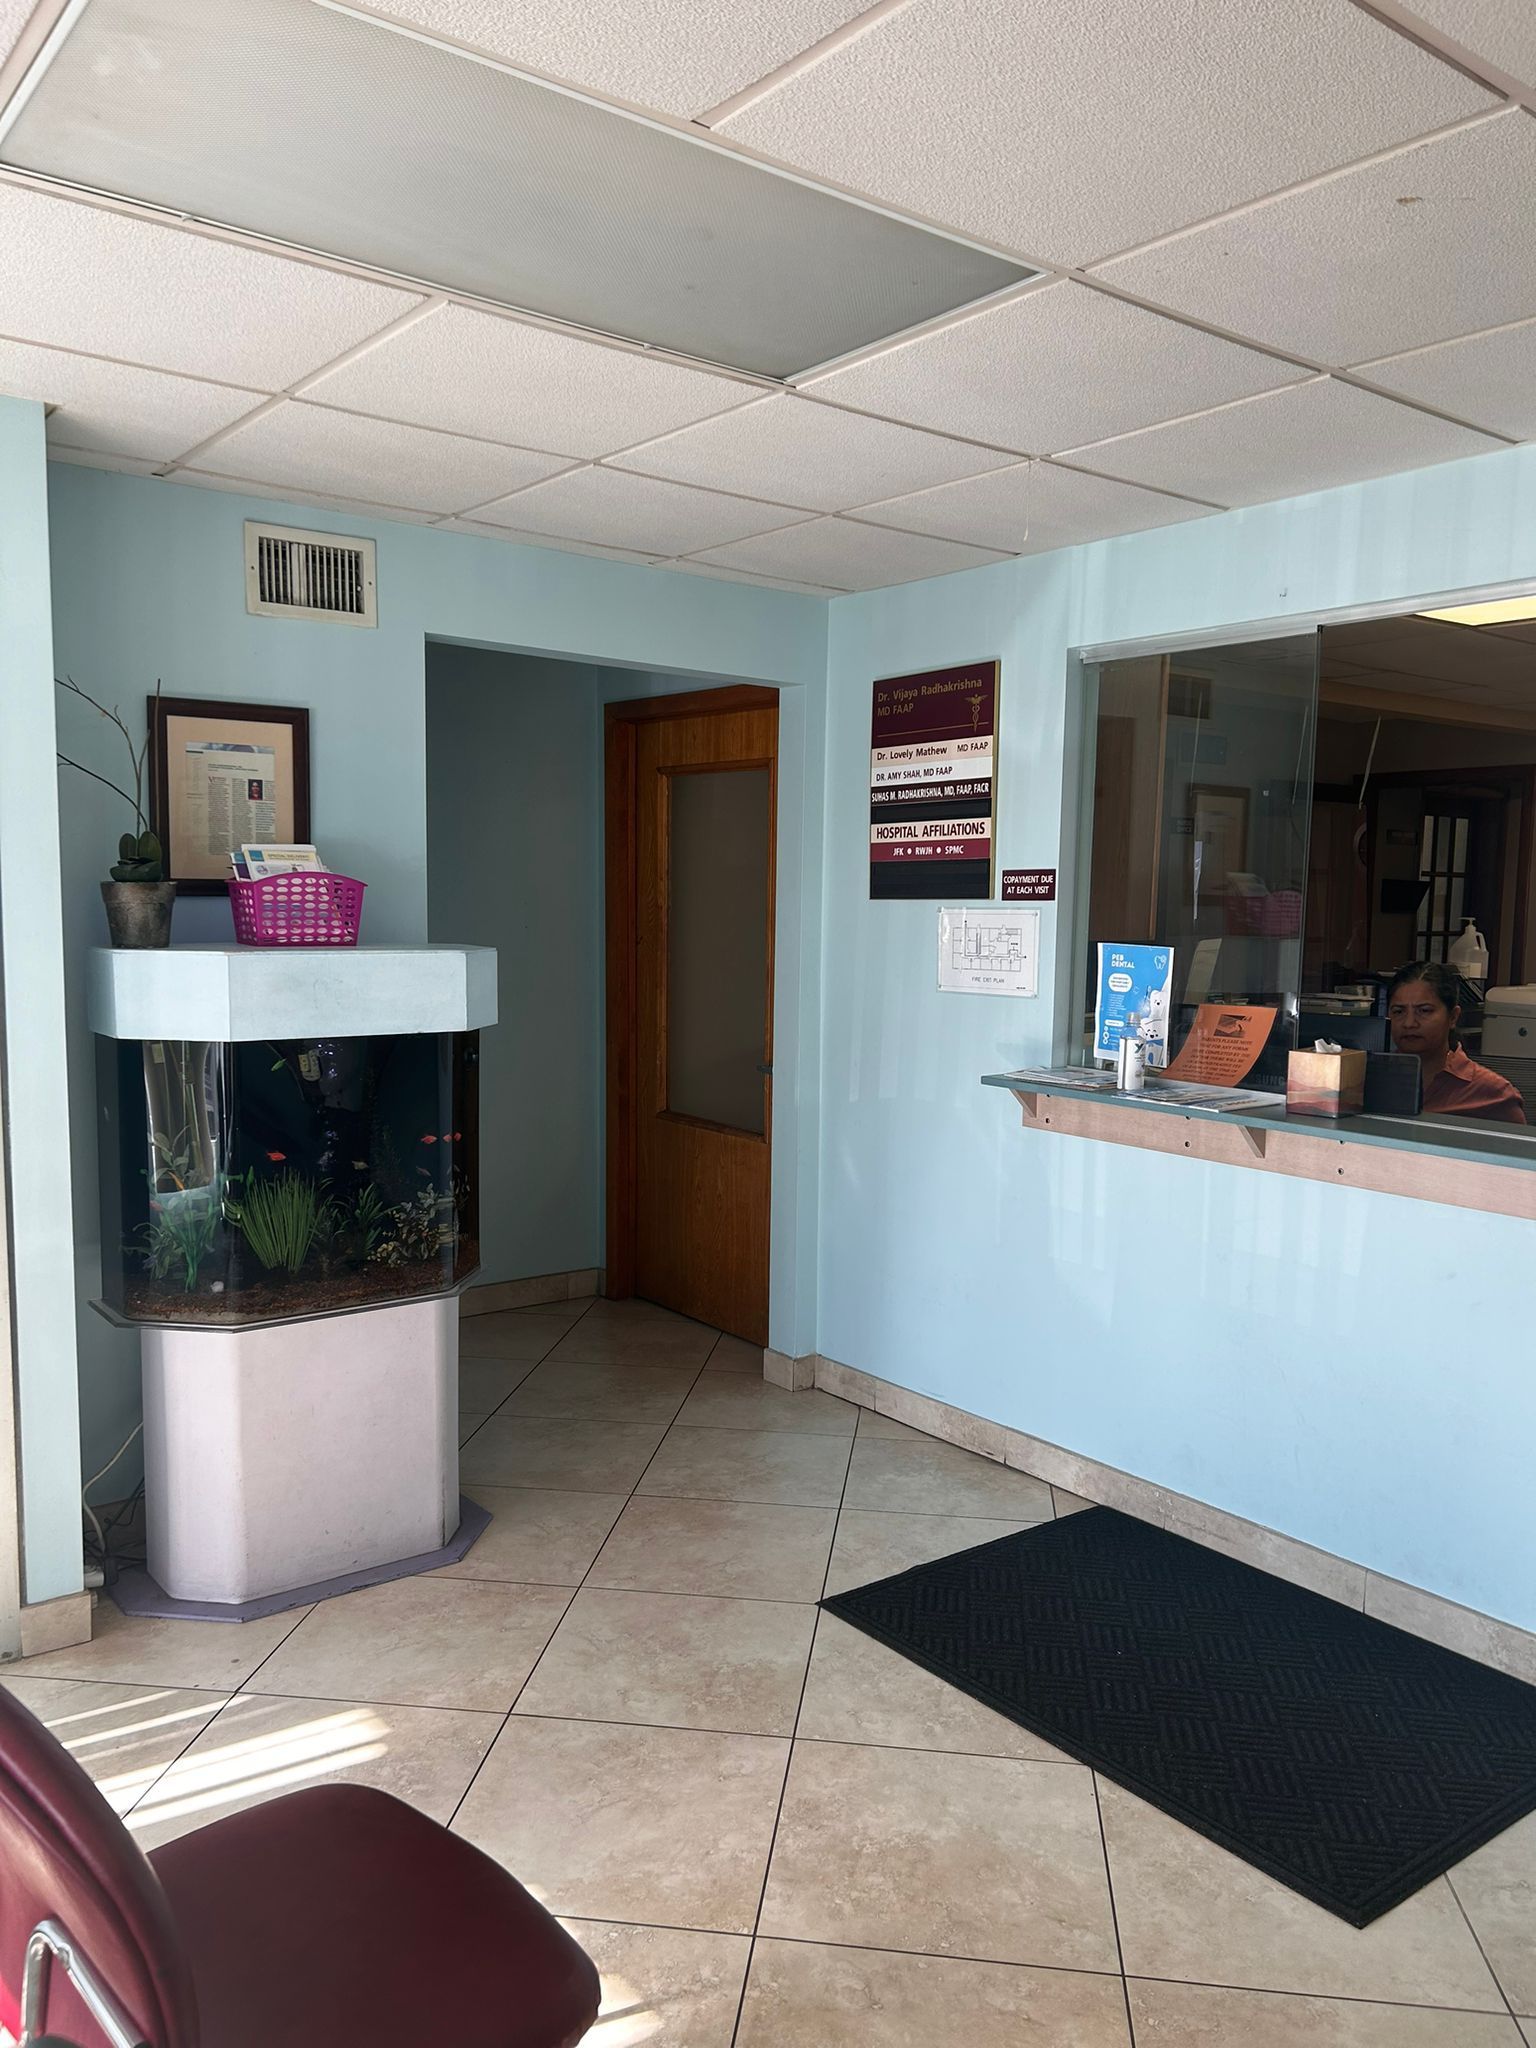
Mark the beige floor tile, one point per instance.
(859, 1691)
(937, 1479)
(1203, 2016)
(516, 1336)
(216, 1655)
(123, 1736)
(664, 1987)
(1189, 1910)
(675, 1660)
(750, 1465)
(484, 1383)
(423, 1642)
(635, 1333)
(602, 1393)
(260, 1747)
(736, 1401)
(574, 1457)
(983, 1857)
(800, 1995)
(665, 1827)
(886, 1426)
(468, 1424)
(1528, 2028)
(1497, 1889)
(739, 1549)
(537, 1537)
(731, 1354)
(873, 1545)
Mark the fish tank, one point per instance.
(270, 1180)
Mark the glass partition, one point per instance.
(1200, 770)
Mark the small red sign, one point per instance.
(1029, 885)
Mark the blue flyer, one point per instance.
(1135, 988)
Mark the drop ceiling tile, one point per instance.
(1071, 131)
(473, 373)
(317, 501)
(792, 451)
(13, 19)
(1500, 32)
(1308, 438)
(1431, 243)
(683, 59)
(849, 556)
(763, 582)
(543, 540)
(308, 448)
(93, 458)
(84, 278)
(118, 409)
(1060, 365)
(1031, 509)
(614, 509)
(1489, 379)
(1445, 652)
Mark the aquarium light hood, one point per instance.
(341, 135)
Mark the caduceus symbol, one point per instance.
(976, 704)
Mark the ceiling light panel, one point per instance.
(685, 60)
(117, 408)
(791, 451)
(335, 134)
(1501, 611)
(1078, 129)
(480, 373)
(1052, 367)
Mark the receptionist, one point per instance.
(1423, 1013)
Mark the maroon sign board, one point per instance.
(1028, 885)
(932, 784)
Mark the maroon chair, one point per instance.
(333, 1918)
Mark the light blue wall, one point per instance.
(31, 958)
(1354, 1369)
(149, 583)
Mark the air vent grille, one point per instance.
(292, 574)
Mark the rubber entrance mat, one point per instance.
(1347, 1759)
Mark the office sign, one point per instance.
(932, 784)
(1028, 885)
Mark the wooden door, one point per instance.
(692, 786)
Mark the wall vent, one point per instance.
(292, 574)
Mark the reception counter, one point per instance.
(1453, 1160)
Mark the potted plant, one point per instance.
(138, 898)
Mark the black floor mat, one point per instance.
(1347, 1759)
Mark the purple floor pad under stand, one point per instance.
(137, 1593)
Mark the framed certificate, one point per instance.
(223, 775)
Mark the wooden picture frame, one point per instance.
(200, 793)
(1221, 828)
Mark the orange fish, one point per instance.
(457, 1135)
(449, 1136)
(277, 1155)
(427, 1138)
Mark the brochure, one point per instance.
(261, 861)
(1135, 985)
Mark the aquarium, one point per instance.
(266, 1180)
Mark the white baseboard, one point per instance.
(495, 1295)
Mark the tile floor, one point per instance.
(766, 1829)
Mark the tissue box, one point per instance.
(1325, 1083)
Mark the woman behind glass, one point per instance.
(1423, 1013)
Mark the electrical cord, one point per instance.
(90, 1513)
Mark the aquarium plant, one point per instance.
(182, 1231)
(280, 1218)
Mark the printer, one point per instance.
(1509, 1023)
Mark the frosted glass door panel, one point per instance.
(717, 945)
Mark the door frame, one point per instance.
(621, 724)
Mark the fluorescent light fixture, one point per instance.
(1503, 611)
(329, 133)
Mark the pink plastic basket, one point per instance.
(303, 909)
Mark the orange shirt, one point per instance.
(1463, 1088)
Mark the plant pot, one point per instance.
(139, 913)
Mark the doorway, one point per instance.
(690, 818)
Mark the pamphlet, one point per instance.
(255, 863)
(1134, 989)
(1223, 1044)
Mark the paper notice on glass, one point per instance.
(228, 794)
(990, 949)
(1223, 1043)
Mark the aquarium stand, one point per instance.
(136, 1592)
